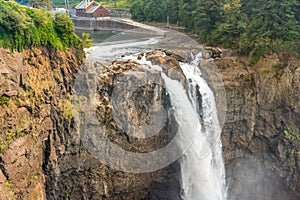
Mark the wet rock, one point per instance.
(175, 56)
(169, 64)
(140, 56)
(191, 56)
(212, 52)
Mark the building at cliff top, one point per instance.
(87, 8)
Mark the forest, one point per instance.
(254, 28)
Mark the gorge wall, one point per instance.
(35, 96)
(42, 157)
(261, 135)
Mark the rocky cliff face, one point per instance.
(261, 135)
(42, 155)
(35, 89)
(74, 170)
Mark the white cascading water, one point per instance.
(202, 166)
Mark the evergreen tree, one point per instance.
(137, 10)
(172, 10)
(207, 15)
(41, 4)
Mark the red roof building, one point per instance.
(91, 9)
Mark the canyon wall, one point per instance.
(34, 86)
(41, 151)
(261, 134)
(42, 155)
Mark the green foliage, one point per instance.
(33, 179)
(87, 42)
(155, 10)
(67, 110)
(116, 3)
(9, 185)
(292, 133)
(41, 3)
(4, 101)
(10, 135)
(61, 3)
(255, 28)
(22, 27)
(65, 29)
(137, 10)
(3, 145)
(63, 23)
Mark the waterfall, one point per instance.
(202, 167)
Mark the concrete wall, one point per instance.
(103, 24)
(111, 24)
(122, 13)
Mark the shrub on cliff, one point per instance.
(87, 42)
(22, 27)
(65, 29)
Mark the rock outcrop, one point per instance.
(261, 134)
(75, 171)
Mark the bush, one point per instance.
(22, 27)
(87, 42)
(63, 23)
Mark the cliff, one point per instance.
(261, 134)
(75, 168)
(42, 154)
(35, 100)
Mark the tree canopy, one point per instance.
(41, 3)
(37, 3)
(253, 27)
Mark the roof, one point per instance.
(92, 9)
(84, 4)
(81, 5)
(104, 8)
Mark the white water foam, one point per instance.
(202, 166)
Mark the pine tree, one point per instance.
(41, 4)
(232, 26)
